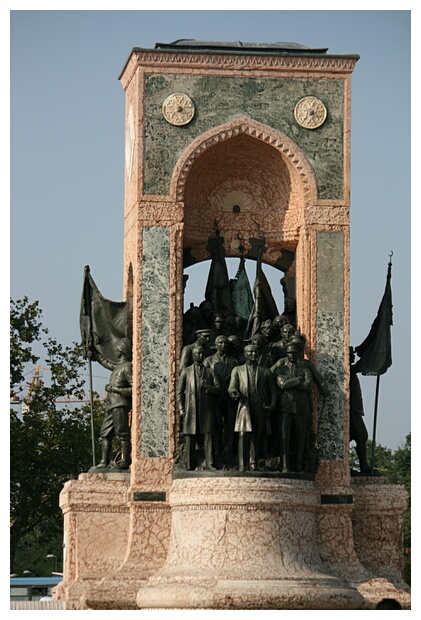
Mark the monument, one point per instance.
(238, 150)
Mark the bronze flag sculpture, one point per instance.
(104, 329)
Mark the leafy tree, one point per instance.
(51, 436)
(403, 464)
(25, 328)
(33, 549)
(395, 466)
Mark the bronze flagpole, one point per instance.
(375, 351)
(86, 329)
(92, 410)
(373, 443)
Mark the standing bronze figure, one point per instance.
(222, 364)
(118, 406)
(255, 390)
(294, 381)
(358, 429)
(202, 340)
(196, 393)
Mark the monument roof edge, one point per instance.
(292, 53)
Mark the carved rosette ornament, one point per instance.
(310, 113)
(178, 109)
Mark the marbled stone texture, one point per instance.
(377, 525)
(96, 524)
(220, 99)
(239, 525)
(245, 544)
(100, 526)
(155, 341)
(330, 341)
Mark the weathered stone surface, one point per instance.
(377, 525)
(219, 99)
(155, 336)
(330, 340)
(374, 590)
(111, 543)
(252, 544)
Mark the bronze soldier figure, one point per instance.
(294, 381)
(118, 405)
(358, 430)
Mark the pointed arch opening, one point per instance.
(245, 180)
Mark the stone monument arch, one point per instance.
(248, 178)
(291, 153)
(254, 140)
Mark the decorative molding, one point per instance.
(85, 507)
(149, 507)
(238, 62)
(129, 71)
(245, 507)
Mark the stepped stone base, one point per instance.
(221, 542)
(189, 593)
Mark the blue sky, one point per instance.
(67, 159)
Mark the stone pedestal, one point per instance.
(220, 542)
(96, 521)
(245, 543)
(377, 525)
(114, 539)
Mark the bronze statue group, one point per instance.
(245, 403)
(244, 390)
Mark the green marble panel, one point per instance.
(219, 100)
(330, 341)
(155, 336)
(330, 271)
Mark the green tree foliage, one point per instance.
(395, 466)
(33, 549)
(51, 435)
(25, 328)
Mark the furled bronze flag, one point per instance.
(264, 306)
(376, 350)
(103, 323)
(218, 289)
(242, 297)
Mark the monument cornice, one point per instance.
(228, 60)
(75, 507)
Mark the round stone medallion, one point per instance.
(178, 109)
(310, 113)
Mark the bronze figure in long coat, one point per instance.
(256, 397)
(196, 393)
(294, 380)
(222, 364)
